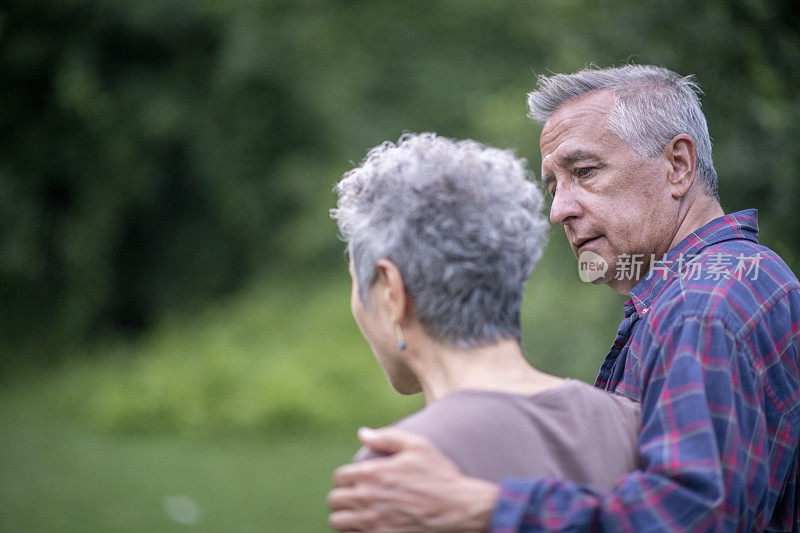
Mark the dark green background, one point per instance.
(154, 155)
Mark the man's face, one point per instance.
(610, 200)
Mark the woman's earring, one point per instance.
(401, 344)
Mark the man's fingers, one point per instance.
(348, 520)
(337, 499)
(352, 473)
(346, 499)
(410, 450)
(343, 520)
(390, 440)
(414, 489)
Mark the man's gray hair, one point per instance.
(651, 106)
(461, 221)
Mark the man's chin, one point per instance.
(621, 286)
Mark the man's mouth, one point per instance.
(582, 242)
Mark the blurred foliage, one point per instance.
(245, 366)
(154, 155)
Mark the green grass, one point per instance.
(56, 475)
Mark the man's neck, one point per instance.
(698, 212)
(498, 367)
(703, 210)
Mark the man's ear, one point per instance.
(391, 293)
(681, 157)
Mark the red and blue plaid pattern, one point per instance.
(714, 361)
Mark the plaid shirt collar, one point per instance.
(739, 225)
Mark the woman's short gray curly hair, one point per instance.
(461, 221)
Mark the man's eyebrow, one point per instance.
(578, 155)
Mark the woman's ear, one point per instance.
(389, 289)
(681, 157)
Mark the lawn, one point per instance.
(56, 475)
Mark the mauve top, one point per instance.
(573, 431)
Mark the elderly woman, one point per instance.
(442, 236)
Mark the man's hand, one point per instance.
(415, 489)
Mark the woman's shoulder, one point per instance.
(464, 408)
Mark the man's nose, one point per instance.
(565, 206)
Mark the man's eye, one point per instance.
(552, 190)
(583, 171)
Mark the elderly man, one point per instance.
(709, 344)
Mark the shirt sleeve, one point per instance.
(702, 447)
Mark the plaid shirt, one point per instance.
(709, 346)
